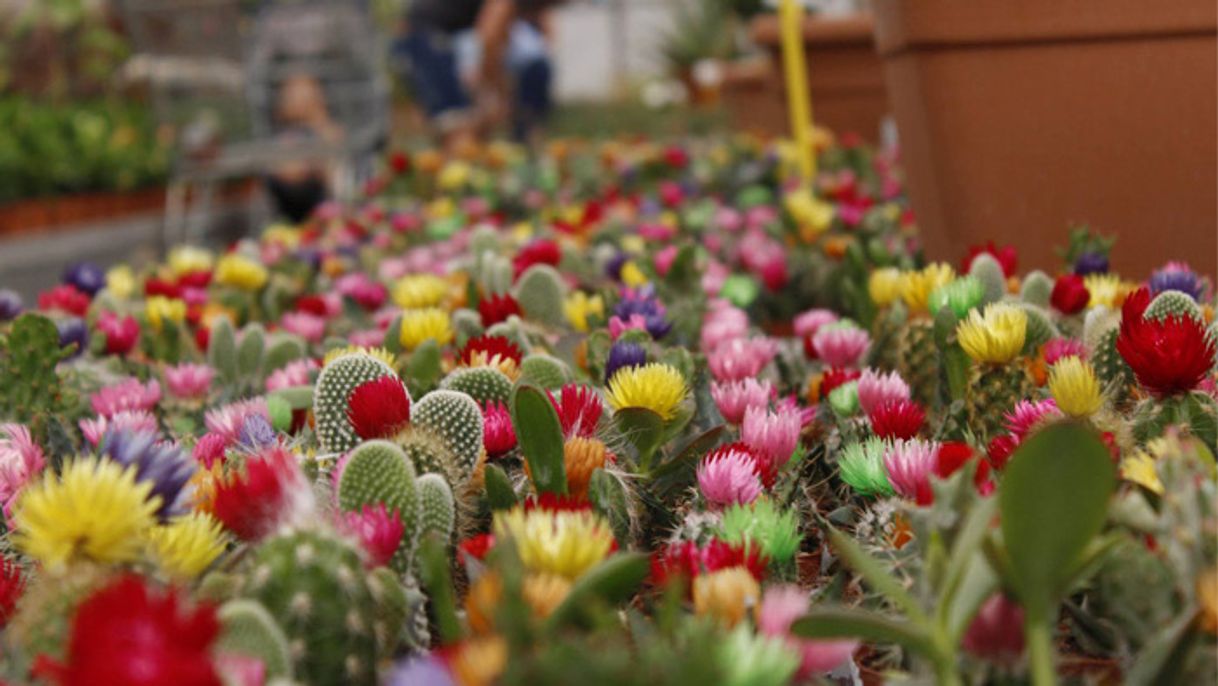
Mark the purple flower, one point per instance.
(1178, 276)
(642, 302)
(10, 304)
(166, 466)
(1091, 263)
(73, 332)
(256, 432)
(624, 354)
(86, 277)
(426, 670)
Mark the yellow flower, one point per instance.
(564, 543)
(633, 244)
(884, 285)
(657, 387)
(441, 208)
(1139, 468)
(1074, 386)
(283, 234)
(579, 306)
(120, 281)
(190, 260)
(420, 325)
(633, 276)
(915, 286)
(241, 272)
(811, 215)
(185, 547)
(997, 336)
(379, 353)
(95, 509)
(454, 175)
(419, 290)
(159, 309)
(544, 593)
(1106, 289)
(726, 594)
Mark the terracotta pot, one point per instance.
(845, 75)
(1018, 118)
(44, 213)
(752, 97)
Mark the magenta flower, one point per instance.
(228, 420)
(189, 381)
(790, 403)
(619, 326)
(841, 346)
(728, 475)
(996, 632)
(21, 459)
(121, 334)
(780, 607)
(741, 358)
(734, 397)
(308, 326)
(1059, 348)
(498, 434)
(808, 322)
(664, 258)
(209, 449)
(910, 464)
(876, 388)
(128, 394)
(774, 436)
(134, 421)
(723, 322)
(294, 373)
(367, 338)
(378, 531)
(1028, 414)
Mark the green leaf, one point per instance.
(643, 428)
(539, 434)
(434, 573)
(249, 354)
(965, 550)
(1162, 660)
(423, 368)
(612, 582)
(499, 492)
(874, 573)
(1053, 498)
(297, 397)
(844, 622)
(393, 336)
(608, 498)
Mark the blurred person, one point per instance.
(477, 63)
(301, 114)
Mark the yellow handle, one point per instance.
(799, 101)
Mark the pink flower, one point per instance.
(741, 358)
(294, 373)
(808, 322)
(308, 326)
(1028, 414)
(367, 338)
(910, 464)
(841, 346)
(780, 607)
(996, 632)
(21, 459)
(618, 326)
(734, 397)
(1059, 348)
(137, 421)
(209, 449)
(189, 381)
(121, 334)
(723, 322)
(728, 475)
(128, 394)
(715, 275)
(773, 435)
(729, 219)
(664, 259)
(228, 420)
(378, 531)
(876, 388)
(790, 403)
(369, 294)
(498, 434)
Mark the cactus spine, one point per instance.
(378, 472)
(483, 384)
(333, 391)
(457, 420)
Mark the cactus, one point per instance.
(437, 508)
(251, 352)
(1040, 328)
(918, 360)
(483, 384)
(457, 420)
(1037, 289)
(885, 333)
(248, 629)
(315, 585)
(511, 330)
(483, 239)
(429, 454)
(987, 270)
(392, 609)
(43, 616)
(1111, 368)
(379, 472)
(281, 349)
(543, 371)
(994, 389)
(416, 628)
(333, 390)
(1173, 304)
(540, 292)
(222, 350)
(466, 324)
(31, 391)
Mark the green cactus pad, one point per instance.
(1040, 328)
(988, 271)
(332, 393)
(248, 629)
(378, 472)
(1037, 289)
(457, 420)
(429, 454)
(543, 371)
(1173, 304)
(437, 509)
(540, 292)
(483, 384)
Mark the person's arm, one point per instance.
(493, 26)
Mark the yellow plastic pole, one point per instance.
(799, 101)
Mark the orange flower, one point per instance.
(581, 457)
(481, 601)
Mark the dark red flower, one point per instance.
(676, 157)
(1006, 256)
(399, 162)
(252, 504)
(313, 304)
(553, 502)
(897, 419)
(836, 377)
(169, 289)
(490, 346)
(1000, 449)
(1069, 294)
(197, 279)
(379, 408)
(498, 433)
(952, 456)
(537, 252)
(202, 338)
(686, 560)
(809, 349)
(1168, 356)
(64, 297)
(12, 585)
(721, 555)
(129, 635)
(478, 546)
(579, 410)
(497, 308)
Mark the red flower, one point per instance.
(379, 408)
(202, 338)
(12, 585)
(251, 506)
(1000, 450)
(537, 252)
(497, 308)
(121, 334)
(399, 162)
(897, 419)
(378, 531)
(552, 502)
(1006, 256)
(1069, 294)
(169, 289)
(313, 304)
(953, 455)
(498, 434)
(1167, 356)
(64, 297)
(836, 377)
(579, 410)
(197, 279)
(491, 346)
(685, 560)
(676, 157)
(478, 546)
(128, 635)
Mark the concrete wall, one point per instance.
(600, 44)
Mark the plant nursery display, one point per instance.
(618, 412)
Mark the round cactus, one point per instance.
(540, 292)
(314, 584)
(544, 371)
(1040, 328)
(988, 271)
(467, 324)
(429, 454)
(43, 616)
(379, 472)
(483, 384)
(1173, 304)
(333, 391)
(392, 609)
(1037, 289)
(248, 629)
(511, 329)
(438, 512)
(457, 420)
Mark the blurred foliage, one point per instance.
(60, 49)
